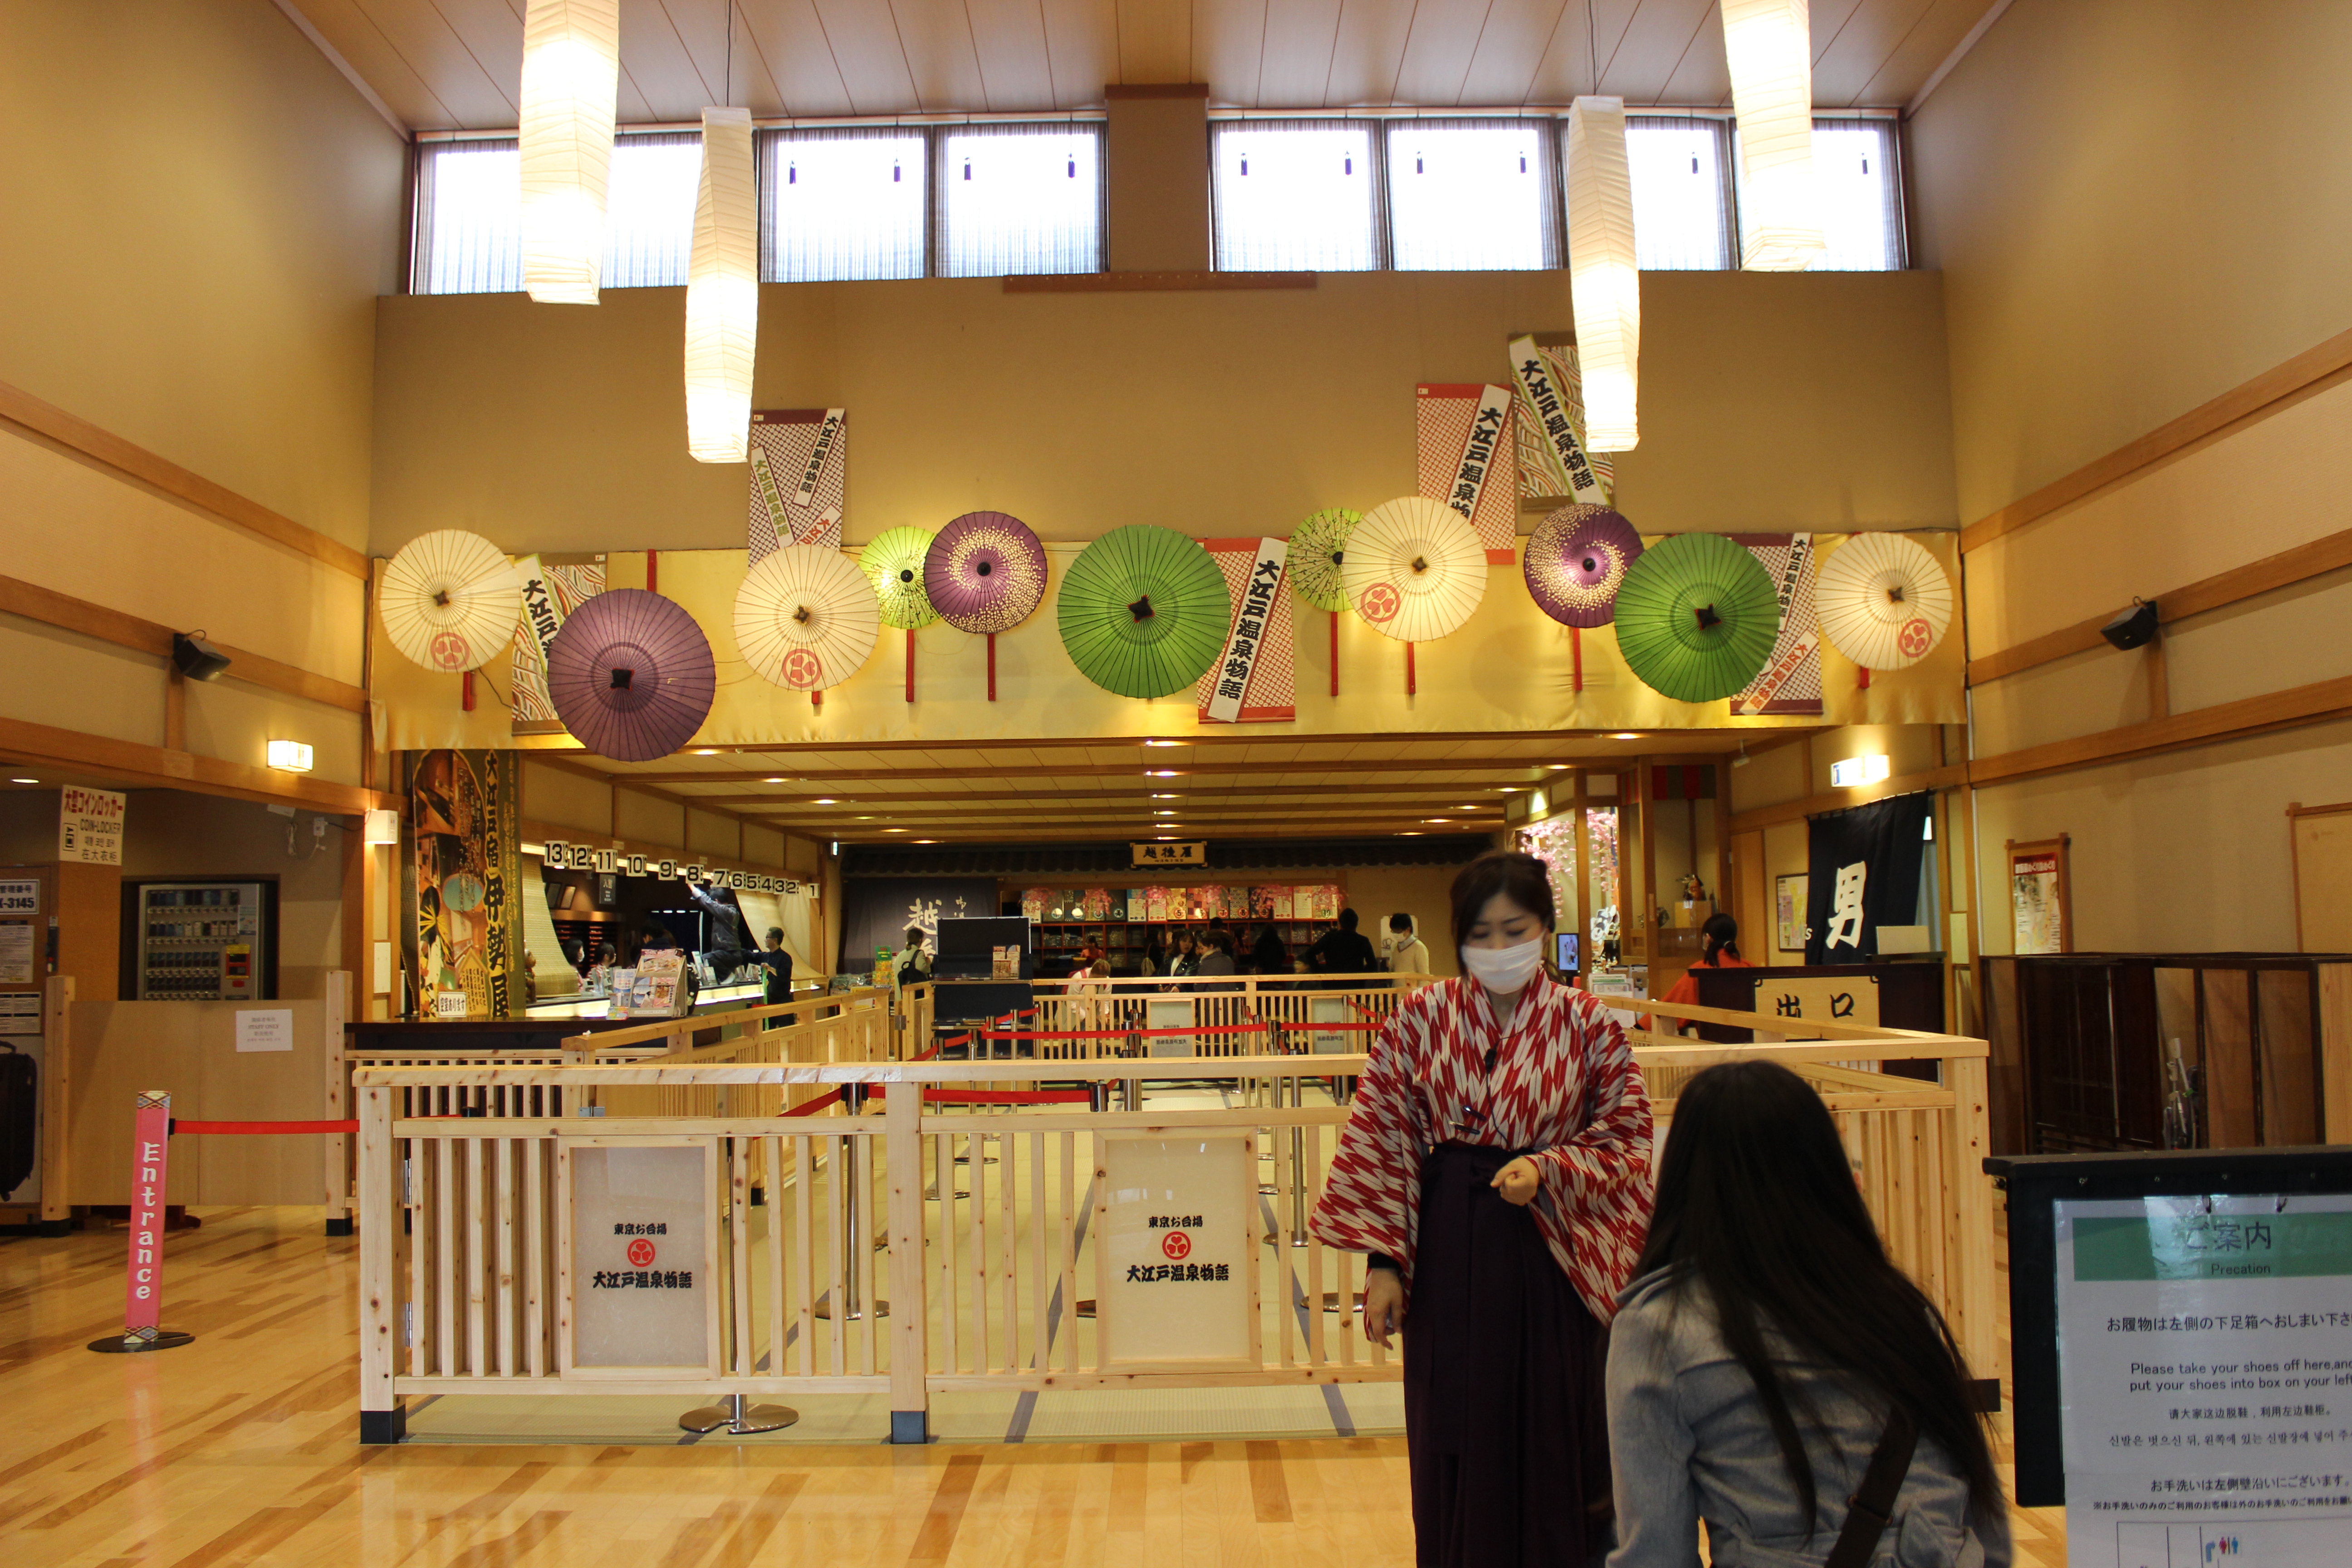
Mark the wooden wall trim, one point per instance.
(35, 603)
(142, 766)
(1153, 282)
(2313, 704)
(2315, 558)
(22, 409)
(1948, 777)
(2309, 371)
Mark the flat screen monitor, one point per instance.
(980, 936)
(1566, 955)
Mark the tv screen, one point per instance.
(979, 936)
(1565, 954)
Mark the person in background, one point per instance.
(1091, 999)
(1155, 954)
(1342, 950)
(911, 965)
(1270, 955)
(1496, 1173)
(1216, 954)
(1407, 953)
(775, 965)
(1091, 952)
(1720, 939)
(1768, 1350)
(1188, 955)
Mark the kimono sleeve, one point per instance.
(1596, 1183)
(1374, 1185)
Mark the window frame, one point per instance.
(1552, 210)
(1376, 170)
(936, 232)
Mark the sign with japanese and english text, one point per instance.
(1177, 1256)
(639, 1257)
(2205, 1380)
(90, 826)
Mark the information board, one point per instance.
(639, 1257)
(1178, 1227)
(2205, 1380)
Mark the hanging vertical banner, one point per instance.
(1462, 433)
(460, 879)
(800, 464)
(1791, 680)
(1553, 462)
(150, 1146)
(1256, 681)
(553, 587)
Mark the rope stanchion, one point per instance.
(247, 1129)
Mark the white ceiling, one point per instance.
(454, 64)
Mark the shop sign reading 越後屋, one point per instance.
(1177, 1279)
(1194, 853)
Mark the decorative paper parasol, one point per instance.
(805, 618)
(1414, 569)
(632, 675)
(1316, 548)
(1884, 602)
(893, 563)
(985, 572)
(1144, 612)
(1697, 617)
(450, 600)
(1576, 560)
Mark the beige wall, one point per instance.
(2131, 221)
(1769, 402)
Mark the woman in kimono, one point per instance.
(1495, 1171)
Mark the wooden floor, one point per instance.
(241, 1448)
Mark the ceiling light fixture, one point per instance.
(705, 751)
(775, 781)
(1160, 774)
(1767, 44)
(289, 756)
(722, 291)
(1164, 797)
(1163, 742)
(23, 781)
(1626, 735)
(1605, 288)
(570, 86)
(824, 800)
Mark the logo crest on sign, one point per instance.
(1177, 1244)
(802, 670)
(1379, 604)
(641, 1253)
(449, 650)
(1914, 638)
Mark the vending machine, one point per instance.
(202, 941)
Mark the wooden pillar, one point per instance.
(56, 1103)
(909, 1346)
(1584, 899)
(1648, 911)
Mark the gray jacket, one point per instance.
(1688, 1440)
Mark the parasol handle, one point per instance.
(1335, 653)
(1411, 685)
(910, 664)
(1576, 657)
(992, 660)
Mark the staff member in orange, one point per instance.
(1495, 1171)
(1721, 936)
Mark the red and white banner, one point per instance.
(1791, 680)
(151, 1144)
(1255, 681)
(1468, 458)
(1553, 462)
(800, 466)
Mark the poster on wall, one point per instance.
(90, 826)
(1467, 457)
(461, 875)
(1788, 913)
(1256, 681)
(1547, 392)
(553, 587)
(2040, 900)
(799, 484)
(1792, 681)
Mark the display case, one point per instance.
(200, 942)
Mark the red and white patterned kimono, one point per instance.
(1564, 1084)
(1504, 1333)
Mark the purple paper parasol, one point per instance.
(632, 675)
(985, 572)
(1576, 558)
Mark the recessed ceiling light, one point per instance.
(1466, 809)
(825, 800)
(776, 781)
(1443, 819)
(705, 751)
(1163, 813)
(894, 830)
(23, 781)
(925, 841)
(1163, 742)
(1159, 773)
(864, 819)
(1559, 767)
(1409, 833)
(1626, 735)
(1155, 797)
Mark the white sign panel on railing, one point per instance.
(640, 1256)
(1178, 1254)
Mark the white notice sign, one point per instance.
(16, 953)
(268, 1029)
(640, 1258)
(20, 1013)
(90, 826)
(1178, 1255)
(20, 897)
(2205, 1380)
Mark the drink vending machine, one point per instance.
(204, 941)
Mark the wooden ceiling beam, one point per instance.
(1119, 770)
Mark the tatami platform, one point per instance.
(241, 1448)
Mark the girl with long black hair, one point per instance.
(1768, 1348)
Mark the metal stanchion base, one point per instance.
(856, 1314)
(121, 1344)
(1331, 1302)
(738, 1418)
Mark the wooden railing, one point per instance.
(988, 1213)
(1235, 1014)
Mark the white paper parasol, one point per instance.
(1882, 600)
(450, 600)
(1414, 569)
(805, 617)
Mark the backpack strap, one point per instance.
(1872, 1508)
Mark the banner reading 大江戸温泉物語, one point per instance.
(1553, 462)
(1255, 681)
(1465, 457)
(800, 469)
(1792, 681)
(553, 587)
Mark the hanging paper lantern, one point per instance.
(1882, 600)
(722, 294)
(571, 84)
(1768, 45)
(1604, 280)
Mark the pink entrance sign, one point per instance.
(150, 1144)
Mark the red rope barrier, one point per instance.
(1124, 1034)
(251, 1127)
(999, 1096)
(830, 1097)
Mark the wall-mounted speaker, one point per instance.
(197, 658)
(2135, 627)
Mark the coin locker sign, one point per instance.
(1178, 1254)
(2205, 1380)
(90, 826)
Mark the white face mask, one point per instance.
(1504, 970)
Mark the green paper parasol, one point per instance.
(1143, 612)
(1315, 547)
(894, 563)
(1697, 617)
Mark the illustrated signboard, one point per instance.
(2204, 1380)
(1464, 443)
(798, 486)
(462, 876)
(1178, 1254)
(553, 587)
(1255, 681)
(638, 1257)
(1792, 681)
